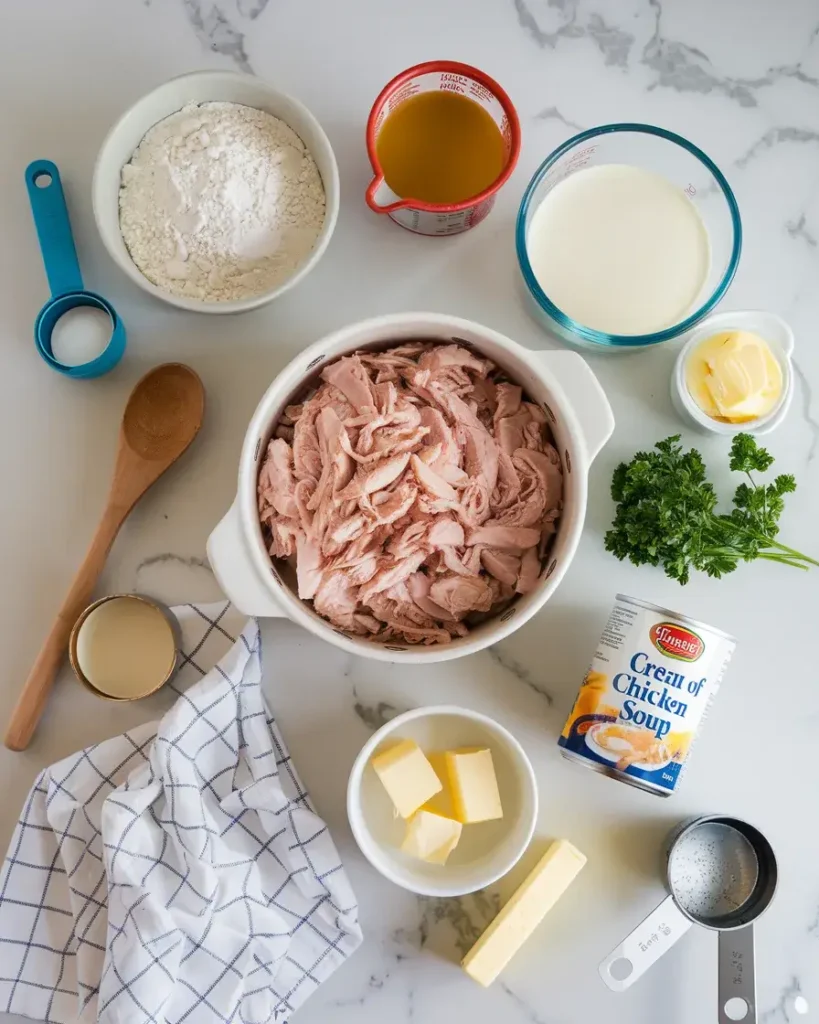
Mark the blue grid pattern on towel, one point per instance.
(178, 872)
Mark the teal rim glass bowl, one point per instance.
(664, 153)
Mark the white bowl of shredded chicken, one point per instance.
(412, 487)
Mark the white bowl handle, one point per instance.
(235, 573)
(587, 397)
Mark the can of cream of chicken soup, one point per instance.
(648, 689)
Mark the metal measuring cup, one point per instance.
(45, 193)
(721, 873)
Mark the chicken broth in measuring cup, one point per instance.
(442, 138)
(440, 147)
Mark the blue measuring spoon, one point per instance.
(45, 193)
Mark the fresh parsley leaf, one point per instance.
(747, 455)
(666, 512)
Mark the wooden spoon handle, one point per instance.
(32, 700)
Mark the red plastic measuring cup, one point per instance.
(444, 76)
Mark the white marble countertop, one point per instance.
(739, 78)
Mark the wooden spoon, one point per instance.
(162, 417)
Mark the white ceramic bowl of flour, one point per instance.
(208, 87)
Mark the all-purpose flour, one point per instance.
(220, 202)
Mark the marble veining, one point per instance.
(687, 68)
(168, 558)
(522, 1006)
(251, 8)
(777, 137)
(739, 79)
(374, 716)
(498, 653)
(467, 917)
(785, 1011)
(170, 577)
(553, 114)
(798, 229)
(218, 33)
(676, 65)
(806, 401)
(614, 44)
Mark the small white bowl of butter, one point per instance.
(399, 813)
(734, 373)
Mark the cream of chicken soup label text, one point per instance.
(647, 691)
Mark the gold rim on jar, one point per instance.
(167, 615)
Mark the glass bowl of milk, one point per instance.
(627, 236)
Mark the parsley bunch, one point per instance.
(666, 512)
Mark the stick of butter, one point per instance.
(531, 902)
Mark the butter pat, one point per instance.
(407, 776)
(471, 775)
(441, 803)
(532, 901)
(734, 376)
(431, 837)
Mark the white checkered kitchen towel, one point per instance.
(177, 872)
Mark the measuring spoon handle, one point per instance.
(737, 974)
(646, 944)
(53, 227)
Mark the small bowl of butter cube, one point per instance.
(735, 373)
(442, 801)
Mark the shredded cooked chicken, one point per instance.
(416, 491)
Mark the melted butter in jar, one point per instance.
(734, 377)
(124, 647)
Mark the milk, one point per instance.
(619, 249)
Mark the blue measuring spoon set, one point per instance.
(45, 193)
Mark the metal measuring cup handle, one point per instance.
(653, 937)
(737, 974)
(721, 873)
(736, 956)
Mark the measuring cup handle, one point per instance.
(53, 227)
(646, 944)
(376, 190)
(737, 974)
